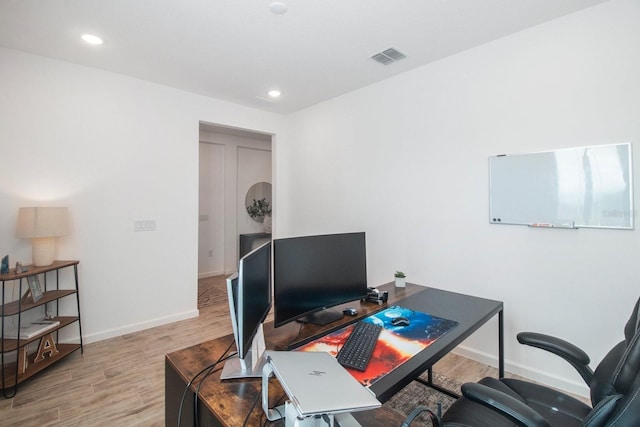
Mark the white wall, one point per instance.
(115, 150)
(211, 205)
(406, 160)
(229, 166)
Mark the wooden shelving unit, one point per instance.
(18, 363)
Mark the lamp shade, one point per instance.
(42, 226)
(43, 222)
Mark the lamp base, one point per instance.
(43, 251)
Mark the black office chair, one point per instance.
(615, 391)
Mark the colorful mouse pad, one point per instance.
(396, 344)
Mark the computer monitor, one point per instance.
(249, 293)
(314, 273)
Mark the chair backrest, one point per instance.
(616, 380)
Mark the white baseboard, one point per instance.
(561, 383)
(135, 327)
(210, 274)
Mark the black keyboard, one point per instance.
(356, 351)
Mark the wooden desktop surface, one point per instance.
(227, 403)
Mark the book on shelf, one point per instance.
(30, 330)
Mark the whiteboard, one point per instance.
(570, 188)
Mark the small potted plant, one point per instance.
(400, 279)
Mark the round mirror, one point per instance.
(258, 201)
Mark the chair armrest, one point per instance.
(507, 406)
(575, 356)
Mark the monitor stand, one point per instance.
(322, 317)
(235, 368)
(252, 364)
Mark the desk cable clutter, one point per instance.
(306, 378)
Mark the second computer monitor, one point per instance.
(249, 294)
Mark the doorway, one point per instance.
(230, 160)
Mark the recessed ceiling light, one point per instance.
(274, 93)
(91, 39)
(278, 7)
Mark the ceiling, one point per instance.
(238, 50)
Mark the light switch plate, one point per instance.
(144, 225)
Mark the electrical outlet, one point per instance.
(144, 225)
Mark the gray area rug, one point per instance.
(417, 394)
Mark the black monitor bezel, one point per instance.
(246, 334)
(320, 313)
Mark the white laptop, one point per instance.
(317, 384)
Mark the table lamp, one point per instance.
(43, 225)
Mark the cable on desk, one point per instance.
(195, 400)
(246, 419)
(253, 406)
(184, 393)
(296, 337)
(275, 408)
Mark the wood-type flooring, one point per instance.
(120, 381)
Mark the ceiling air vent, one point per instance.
(388, 56)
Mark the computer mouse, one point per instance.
(400, 321)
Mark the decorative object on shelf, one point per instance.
(20, 268)
(4, 269)
(43, 225)
(23, 359)
(268, 225)
(30, 330)
(34, 288)
(258, 201)
(259, 209)
(400, 279)
(46, 349)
